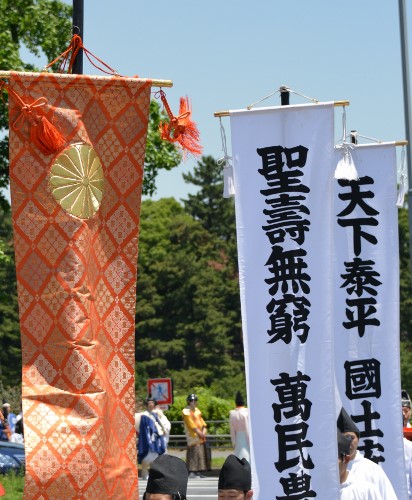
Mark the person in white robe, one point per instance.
(359, 467)
(150, 443)
(407, 446)
(350, 488)
(165, 424)
(239, 429)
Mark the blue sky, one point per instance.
(226, 54)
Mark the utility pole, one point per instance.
(78, 14)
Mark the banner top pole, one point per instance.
(227, 113)
(155, 81)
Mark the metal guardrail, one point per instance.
(214, 438)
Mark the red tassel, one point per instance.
(46, 136)
(43, 133)
(181, 129)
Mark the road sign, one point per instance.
(161, 389)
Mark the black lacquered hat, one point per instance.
(235, 474)
(167, 475)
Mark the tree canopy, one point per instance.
(44, 27)
(405, 276)
(207, 205)
(10, 350)
(188, 313)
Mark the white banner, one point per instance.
(366, 306)
(283, 173)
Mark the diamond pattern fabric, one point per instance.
(76, 261)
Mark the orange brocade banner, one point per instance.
(76, 223)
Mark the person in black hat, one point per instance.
(167, 479)
(195, 429)
(235, 480)
(151, 442)
(351, 488)
(344, 443)
(359, 467)
(406, 408)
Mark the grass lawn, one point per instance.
(217, 462)
(13, 486)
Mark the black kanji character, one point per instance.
(296, 487)
(287, 270)
(356, 197)
(279, 179)
(365, 309)
(282, 321)
(358, 233)
(292, 396)
(363, 378)
(368, 450)
(292, 440)
(360, 277)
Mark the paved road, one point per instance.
(198, 489)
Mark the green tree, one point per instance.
(405, 276)
(187, 321)
(215, 213)
(406, 365)
(405, 301)
(44, 27)
(217, 216)
(161, 287)
(10, 347)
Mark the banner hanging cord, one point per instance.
(284, 88)
(365, 137)
(69, 56)
(403, 180)
(226, 161)
(344, 135)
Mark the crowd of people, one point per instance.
(153, 430)
(360, 478)
(167, 475)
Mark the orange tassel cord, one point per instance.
(68, 57)
(181, 129)
(43, 134)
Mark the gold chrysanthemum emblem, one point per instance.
(77, 181)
